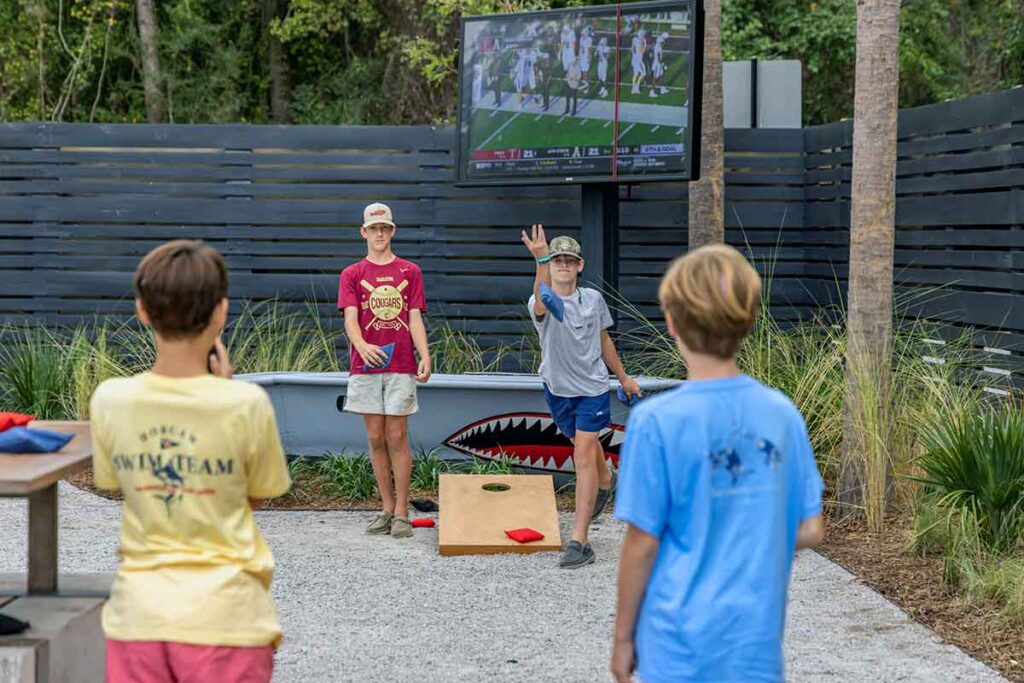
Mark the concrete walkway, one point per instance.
(357, 608)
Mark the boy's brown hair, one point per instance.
(179, 284)
(712, 296)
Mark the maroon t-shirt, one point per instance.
(384, 295)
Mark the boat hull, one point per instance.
(482, 416)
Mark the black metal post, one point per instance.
(600, 236)
(753, 93)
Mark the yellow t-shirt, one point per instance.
(188, 454)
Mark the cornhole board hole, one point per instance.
(476, 509)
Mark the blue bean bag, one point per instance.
(31, 440)
(552, 302)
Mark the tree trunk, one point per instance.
(152, 80)
(706, 196)
(866, 465)
(280, 74)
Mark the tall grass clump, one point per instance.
(267, 337)
(340, 475)
(98, 353)
(970, 564)
(427, 469)
(805, 361)
(33, 373)
(455, 352)
(52, 374)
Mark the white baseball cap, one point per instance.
(377, 213)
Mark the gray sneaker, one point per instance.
(603, 495)
(381, 524)
(401, 528)
(576, 555)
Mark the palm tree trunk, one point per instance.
(151, 76)
(706, 202)
(865, 481)
(280, 74)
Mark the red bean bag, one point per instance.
(422, 522)
(8, 420)
(525, 535)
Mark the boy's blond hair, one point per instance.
(712, 297)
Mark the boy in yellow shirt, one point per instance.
(193, 453)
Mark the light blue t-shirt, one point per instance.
(722, 473)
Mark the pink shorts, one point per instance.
(163, 662)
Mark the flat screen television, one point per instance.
(598, 94)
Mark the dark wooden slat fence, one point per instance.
(80, 204)
(959, 218)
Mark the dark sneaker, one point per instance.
(381, 524)
(603, 495)
(576, 555)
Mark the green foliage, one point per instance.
(969, 564)
(1003, 582)
(948, 48)
(822, 35)
(394, 61)
(52, 374)
(456, 352)
(427, 469)
(975, 465)
(343, 476)
(33, 372)
(96, 354)
(500, 465)
(267, 337)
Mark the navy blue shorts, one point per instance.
(585, 413)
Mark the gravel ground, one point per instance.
(358, 608)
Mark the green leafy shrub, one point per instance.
(975, 465)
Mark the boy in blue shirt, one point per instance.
(719, 487)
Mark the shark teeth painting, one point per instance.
(529, 440)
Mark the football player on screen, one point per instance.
(478, 79)
(586, 53)
(602, 65)
(525, 74)
(568, 47)
(658, 67)
(638, 49)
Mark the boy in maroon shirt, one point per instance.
(383, 301)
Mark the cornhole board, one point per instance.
(473, 520)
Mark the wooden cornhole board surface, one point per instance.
(473, 521)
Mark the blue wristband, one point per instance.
(544, 259)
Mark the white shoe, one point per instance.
(604, 92)
(664, 90)
(652, 93)
(635, 91)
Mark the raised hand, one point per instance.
(536, 241)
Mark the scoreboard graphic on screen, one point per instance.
(602, 94)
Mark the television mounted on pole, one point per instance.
(593, 96)
(606, 94)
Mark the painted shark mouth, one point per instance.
(528, 440)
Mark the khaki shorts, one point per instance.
(381, 394)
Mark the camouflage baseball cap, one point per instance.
(565, 246)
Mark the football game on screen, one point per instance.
(576, 94)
